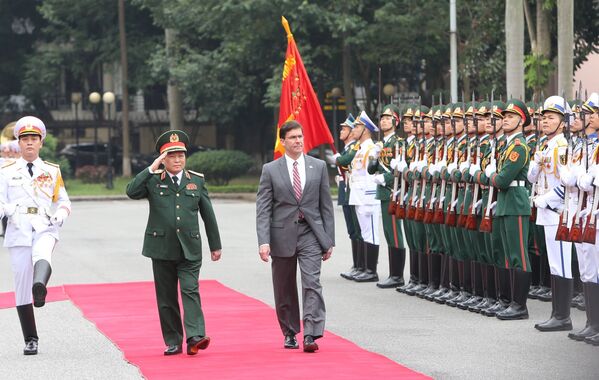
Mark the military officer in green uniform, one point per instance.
(343, 160)
(172, 239)
(513, 206)
(384, 179)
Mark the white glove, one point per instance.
(376, 150)
(451, 167)
(336, 155)
(585, 182)
(478, 204)
(441, 200)
(473, 169)
(379, 179)
(433, 169)
(9, 209)
(490, 170)
(493, 205)
(540, 202)
(401, 166)
(594, 171)
(464, 166)
(412, 165)
(596, 181)
(337, 179)
(454, 204)
(538, 158)
(584, 213)
(420, 165)
(442, 164)
(596, 212)
(433, 200)
(393, 163)
(59, 217)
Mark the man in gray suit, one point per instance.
(295, 224)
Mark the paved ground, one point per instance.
(101, 242)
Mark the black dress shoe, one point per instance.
(368, 276)
(578, 302)
(594, 340)
(30, 347)
(544, 294)
(390, 282)
(513, 312)
(173, 350)
(196, 343)
(555, 324)
(39, 294)
(291, 342)
(309, 344)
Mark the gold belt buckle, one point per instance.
(32, 210)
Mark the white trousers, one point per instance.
(368, 218)
(559, 253)
(588, 262)
(22, 260)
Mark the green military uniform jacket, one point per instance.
(383, 192)
(173, 231)
(512, 165)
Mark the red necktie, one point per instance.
(297, 185)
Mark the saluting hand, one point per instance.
(157, 162)
(215, 255)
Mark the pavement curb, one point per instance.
(249, 197)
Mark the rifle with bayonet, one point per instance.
(429, 213)
(576, 233)
(563, 232)
(533, 188)
(396, 175)
(411, 214)
(419, 217)
(439, 215)
(486, 224)
(471, 215)
(450, 219)
(463, 217)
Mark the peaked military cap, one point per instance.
(29, 125)
(172, 141)
(349, 122)
(519, 108)
(483, 109)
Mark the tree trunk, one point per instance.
(348, 90)
(543, 41)
(175, 102)
(514, 48)
(125, 92)
(565, 46)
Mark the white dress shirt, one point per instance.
(301, 168)
(179, 176)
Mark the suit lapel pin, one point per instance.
(310, 166)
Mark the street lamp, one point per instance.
(76, 99)
(108, 98)
(389, 90)
(336, 93)
(94, 98)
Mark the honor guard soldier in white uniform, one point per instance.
(33, 197)
(363, 195)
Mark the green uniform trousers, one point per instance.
(168, 274)
(514, 236)
(391, 227)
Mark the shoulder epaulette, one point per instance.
(158, 171)
(196, 173)
(51, 164)
(8, 163)
(562, 143)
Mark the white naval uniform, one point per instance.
(546, 176)
(29, 235)
(363, 194)
(588, 262)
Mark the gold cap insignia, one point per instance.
(174, 138)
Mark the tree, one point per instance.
(514, 47)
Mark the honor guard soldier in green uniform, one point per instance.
(172, 239)
(343, 161)
(513, 206)
(384, 179)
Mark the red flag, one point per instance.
(299, 102)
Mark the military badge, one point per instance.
(514, 156)
(174, 138)
(563, 160)
(191, 186)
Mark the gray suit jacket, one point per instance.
(277, 209)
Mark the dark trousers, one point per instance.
(167, 275)
(284, 279)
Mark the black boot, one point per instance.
(413, 273)
(477, 287)
(360, 259)
(434, 275)
(560, 316)
(395, 278)
(593, 302)
(544, 292)
(372, 259)
(440, 275)
(454, 282)
(592, 326)
(354, 253)
(27, 319)
(503, 292)
(489, 289)
(415, 264)
(423, 273)
(41, 274)
(535, 278)
(520, 286)
(464, 274)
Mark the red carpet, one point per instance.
(55, 293)
(246, 341)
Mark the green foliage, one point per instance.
(220, 166)
(49, 153)
(538, 69)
